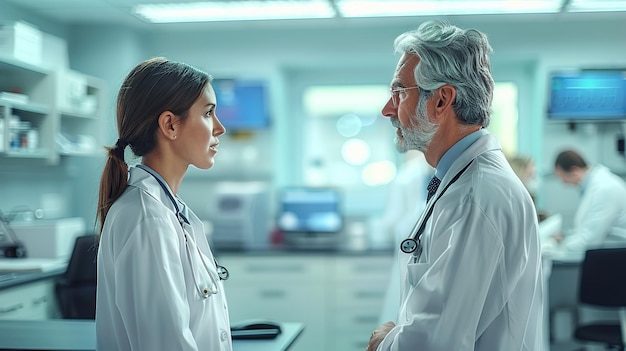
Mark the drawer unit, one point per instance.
(29, 301)
(282, 289)
(338, 298)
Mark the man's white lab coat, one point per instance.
(477, 284)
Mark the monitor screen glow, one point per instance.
(310, 210)
(587, 96)
(242, 105)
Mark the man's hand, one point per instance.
(378, 335)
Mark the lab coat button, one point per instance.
(223, 336)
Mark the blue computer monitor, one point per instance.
(591, 96)
(242, 105)
(310, 210)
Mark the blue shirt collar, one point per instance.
(456, 150)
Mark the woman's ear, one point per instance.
(168, 125)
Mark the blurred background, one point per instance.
(307, 162)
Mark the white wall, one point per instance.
(526, 49)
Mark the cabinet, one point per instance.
(54, 113)
(282, 289)
(356, 300)
(29, 301)
(338, 298)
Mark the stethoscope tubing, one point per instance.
(412, 243)
(222, 272)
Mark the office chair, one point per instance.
(603, 285)
(76, 289)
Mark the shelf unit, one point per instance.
(80, 110)
(63, 106)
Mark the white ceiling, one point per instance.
(118, 12)
(85, 11)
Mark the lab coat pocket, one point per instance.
(415, 272)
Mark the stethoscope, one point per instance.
(222, 272)
(412, 244)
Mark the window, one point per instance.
(349, 144)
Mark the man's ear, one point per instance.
(444, 98)
(168, 125)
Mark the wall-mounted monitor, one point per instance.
(310, 210)
(587, 96)
(242, 105)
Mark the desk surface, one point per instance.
(80, 335)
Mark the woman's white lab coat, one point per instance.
(146, 296)
(477, 284)
(600, 218)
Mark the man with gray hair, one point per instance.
(471, 267)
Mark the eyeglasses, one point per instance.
(395, 94)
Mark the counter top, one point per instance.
(71, 335)
(285, 251)
(8, 280)
(16, 271)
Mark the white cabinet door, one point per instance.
(338, 298)
(28, 301)
(356, 302)
(281, 289)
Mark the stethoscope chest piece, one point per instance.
(206, 292)
(408, 245)
(222, 272)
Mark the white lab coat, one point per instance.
(477, 284)
(600, 218)
(146, 297)
(407, 198)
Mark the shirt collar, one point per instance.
(456, 150)
(584, 183)
(179, 205)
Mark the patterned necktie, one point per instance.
(432, 187)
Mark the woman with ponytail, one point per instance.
(159, 286)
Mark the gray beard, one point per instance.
(419, 134)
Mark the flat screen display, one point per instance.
(587, 96)
(311, 210)
(242, 105)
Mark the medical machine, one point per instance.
(240, 213)
(310, 218)
(49, 238)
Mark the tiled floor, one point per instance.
(574, 346)
(566, 346)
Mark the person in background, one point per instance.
(471, 272)
(600, 219)
(407, 198)
(524, 168)
(159, 286)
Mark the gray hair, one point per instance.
(460, 58)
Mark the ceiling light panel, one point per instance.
(234, 11)
(382, 8)
(596, 5)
